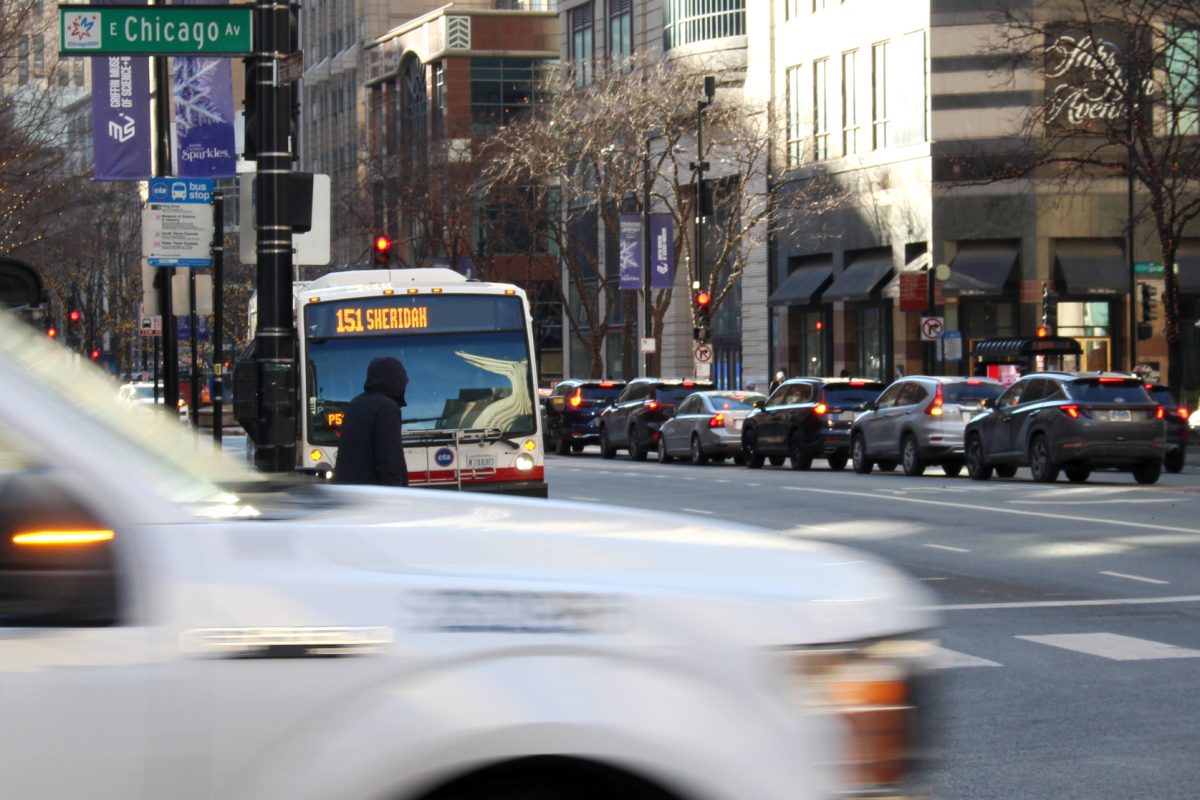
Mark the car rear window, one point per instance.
(1163, 397)
(597, 392)
(847, 395)
(1100, 391)
(675, 394)
(970, 392)
(734, 402)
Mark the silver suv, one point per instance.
(918, 421)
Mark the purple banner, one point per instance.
(204, 138)
(121, 138)
(662, 251)
(630, 242)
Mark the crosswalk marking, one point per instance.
(1113, 646)
(944, 658)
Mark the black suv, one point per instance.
(570, 415)
(634, 420)
(1176, 418)
(807, 418)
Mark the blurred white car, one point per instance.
(173, 624)
(1194, 420)
(142, 393)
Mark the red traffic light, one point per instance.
(703, 298)
(382, 244)
(1043, 332)
(74, 315)
(52, 332)
(95, 355)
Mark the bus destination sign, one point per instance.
(412, 314)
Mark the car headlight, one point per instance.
(876, 690)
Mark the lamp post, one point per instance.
(700, 166)
(1132, 91)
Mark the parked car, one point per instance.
(707, 425)
(570, 414)
(141, 393)
(633, 420)
(918, 421)
(1074, 422)
(1176, 418)
(807, 418)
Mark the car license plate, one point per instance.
(846, 416)
(481, 462)
(737, 424)
(1119, 415)
(966, 416)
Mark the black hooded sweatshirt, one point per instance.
(370, 450)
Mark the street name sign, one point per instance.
(125, 30)
(177, 223)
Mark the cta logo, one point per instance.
(81, 30)
(444, 457)
(122, 131)
(159, 191)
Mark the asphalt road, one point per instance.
(1070, 660)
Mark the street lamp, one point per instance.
(700, 166)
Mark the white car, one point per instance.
(175, 625)
(142, 393)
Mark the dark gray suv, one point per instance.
(1074, 422)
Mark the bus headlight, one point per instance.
(876, 690)
(524, 462)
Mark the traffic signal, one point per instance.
(1049, 312)
(74, 327)
(1149, 295)
(703, 330)
(95, 355)
(51, 330)
(383, 250)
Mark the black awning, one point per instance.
(981, 269)
(861, 280)
(1091, 266)
(803, 287)
(1187, 258)
(1013, 347)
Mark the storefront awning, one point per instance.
(918, 264)
(860, 280)
(1005, 348)
(1187, 258)
(803, 287)
(981, 269)
(1091, 266)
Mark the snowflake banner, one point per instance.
(204, 137)
(630, 243)
(662, 251)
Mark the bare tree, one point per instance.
(1120, 97)
(627, 143)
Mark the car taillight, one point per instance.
(1113, 380)
(576, 399)
(1160, 413)
(1071, 411)
(650, 405)
(717, 421)
(820, 408)
(1182, 412)
(934, 409)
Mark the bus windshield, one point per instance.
(456, 381)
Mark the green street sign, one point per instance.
(1148, 268)
(154, 30)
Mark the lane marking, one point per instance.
(1127, 501)
(1113, 646)
(585, 499)
(933, 579)
(1123, 601)
(944, 658)
(1133, 577)
(1014, 511)
(697, 511)
(948, 547)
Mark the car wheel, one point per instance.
(1077, 473)
(977, 467)
(910, 458)
(858, 455)
(606, 448)
(776, 461)
(750, 454)
(801, 458)
(663, 456)
(1173, 462)
(562, 445)
(576, 447)
(698, 457)
(1148, 471)
(952, 468)
(1005, 470)
(837, 461)
(1040, 463)
(739, 460)
(637, 451)
(887, 466)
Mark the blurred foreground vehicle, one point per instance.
(141, 393)
(174, 625)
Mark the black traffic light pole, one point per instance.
(275, 334)
(170, 344)
(700, 167)
(218, 338)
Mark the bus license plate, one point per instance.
(1119, 415)
(481, 462)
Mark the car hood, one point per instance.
(469, 540)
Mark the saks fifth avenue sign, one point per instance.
(1086, 80)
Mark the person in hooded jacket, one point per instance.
(371, 450)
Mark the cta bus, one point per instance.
(472, 420)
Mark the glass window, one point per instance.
(797, 393)
(620, 29)
(871, 329)
(795, 117)
(1110, 391)
(674, 394)
(907, 105)
(849, 394)
(890, 395)
(879, 95)
(581, 43)
(821, 109)
(850, 128)
(39, 54)
(1034, 390)
(692, 405)
(1013, 395)
(503, 90)
(912, 394)
(688, 21)
(968, 392)
(734, 401)
(1183, 79)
